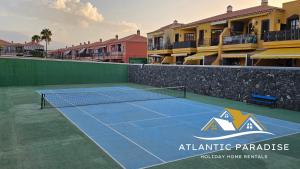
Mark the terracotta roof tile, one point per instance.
(235, 14)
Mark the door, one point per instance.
(265, 27)
(177, 37)
(201, 38)
(215, 36)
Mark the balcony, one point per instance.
(285, 35)
(184, 47)
(208, 45)
(159, 49)
(186, 44)
(116, 55)
(239, 42)
(281, 39)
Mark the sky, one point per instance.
(77, 21)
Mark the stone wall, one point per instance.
(234, 83)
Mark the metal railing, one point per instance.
(209, 42)
(121, 53)
(239, 39)
(293, 34)
(159, 47)
(186, 44)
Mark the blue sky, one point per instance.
(75, 21)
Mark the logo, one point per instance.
(232, 123)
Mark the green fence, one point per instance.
(22, 72)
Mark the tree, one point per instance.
(46, 35)
(36, 38)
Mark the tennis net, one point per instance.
(72, 99)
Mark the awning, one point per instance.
(179, 54)
(234, 55)
(283, 53)
(67, 52)
(197, 57)
(167, 60)
(200, 56)
(158, 56)
(82, 51)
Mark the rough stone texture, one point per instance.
(234, 83)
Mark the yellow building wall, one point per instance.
(207, 32)
(291, 8)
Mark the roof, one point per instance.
(224, 124)
(239, 13)
(133, 38)
(32, 43)
(175, 24)
(3, 42)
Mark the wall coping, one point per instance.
(58, 60)
(227, 67)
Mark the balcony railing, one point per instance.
(293, 34)
(208, 42)
(239, 39)
(119, 53)
(159, 47)
(186, 44)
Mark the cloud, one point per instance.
(77, 8)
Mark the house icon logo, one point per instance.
(232, 123)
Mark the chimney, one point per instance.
(175, 22)
(138, 32)
(84, 43)
(229, 8)
(264, 2)
(117, 36)
(89, 42)
(66, 47)
(100, 40)
(25, 42)
(12, 42)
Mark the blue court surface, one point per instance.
(138, 131)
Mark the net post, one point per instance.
(42, 101)
(184, 91)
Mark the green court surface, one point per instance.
(32, 138)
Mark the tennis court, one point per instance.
(140, 128)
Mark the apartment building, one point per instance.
(262, 35)
(112, 50)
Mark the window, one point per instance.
(293, 22)
(249, 126)
(189, 37)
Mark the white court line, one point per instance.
(85, 112)
(165, 162)
(158, 118)
(111, 156)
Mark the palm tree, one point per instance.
(36, 38)
(46, 35)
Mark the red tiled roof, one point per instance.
(3, 42)
(32, 43)
(170, 26)
(239, 13)
(133, 38)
